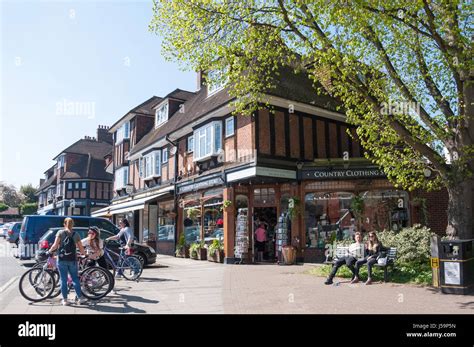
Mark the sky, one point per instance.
(97, 56)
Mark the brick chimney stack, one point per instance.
(103, 134)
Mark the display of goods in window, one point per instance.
(241, 235)
(282, 235)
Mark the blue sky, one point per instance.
(98, 55)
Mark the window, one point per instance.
(121, 178)
(123, 132)
(165, 155)
(59, 189)
(69, 186)
(150, 165)
(208, 140)
(190, 143)
(61, 160)
(84, 185)
(161, 114)
(215, 81)
(76, 186)
(229, 127)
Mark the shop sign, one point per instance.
(272, 172)
(201, 185)
(452, 273)
(322, 174)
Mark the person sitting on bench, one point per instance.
(356, 251)
(372, 251)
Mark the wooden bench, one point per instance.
(343, 251)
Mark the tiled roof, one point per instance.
(89, 146)
(11, 211)
(144, 108)
(289, 85)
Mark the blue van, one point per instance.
(33, 227)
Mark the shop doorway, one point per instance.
(266, 216)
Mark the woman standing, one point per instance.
(372, 251)
(66, 241)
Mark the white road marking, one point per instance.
(9, 283)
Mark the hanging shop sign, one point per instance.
(204, 184)
(325, 174)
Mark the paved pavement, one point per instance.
(175, 285)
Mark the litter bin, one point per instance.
(289, 255)
(457, 266)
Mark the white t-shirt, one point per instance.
(357, 250)
(127, 231)
(93, 255)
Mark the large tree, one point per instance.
(28, 193)
(403, 70)
(9, 195)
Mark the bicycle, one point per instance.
(129, 266)
(43, 278)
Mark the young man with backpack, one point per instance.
(66, 242)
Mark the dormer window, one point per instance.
(61, 160)
(215, 81)
(161, 114)
(123, 132)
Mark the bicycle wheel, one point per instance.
(37, 284)
(57, 287)
(95, 283)
(131, 268)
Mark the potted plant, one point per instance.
(198, 251)
(193, 250)
(202, 251)
(215, 251)
(182, 249)
(193, 212)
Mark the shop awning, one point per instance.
(128, 206)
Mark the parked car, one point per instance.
(13, 233)
(218, 234)
(192, 234)
(145, 253)
(4, 230)
(33, 227)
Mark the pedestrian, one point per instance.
(66, 242)
(356, 251)
(126, 232)
(260, 238)
(372, 251)
(94, 246)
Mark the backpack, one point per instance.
(67, 250)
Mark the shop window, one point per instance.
(327, 218)
(241, 201)
(264, 196)
(384, 210)
(192, 222)
(213, 220)
(166, 221)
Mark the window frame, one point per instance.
(230, 119)
(163, 156)
(162, 118)
(201, 132)
(122, 133)
(190, 149)
(213, 88)
(154, 160)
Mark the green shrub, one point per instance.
(3, 207)
(28, 208)
(180, 245)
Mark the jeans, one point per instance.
(349, 261)
(370, 262)
(70, 267)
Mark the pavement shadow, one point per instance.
(153, 279)
(156, 266)
(466, 305)
(122, 300)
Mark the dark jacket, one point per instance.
(375, 253)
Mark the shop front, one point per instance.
(200, 209)
(339, 202)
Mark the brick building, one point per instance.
(78, 184)
(295, 166)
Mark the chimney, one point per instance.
(103, 134)
(200, 79)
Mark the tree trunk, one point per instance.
(460, 210)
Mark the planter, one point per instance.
(218, 257)
(202, 254)
(183, 253)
